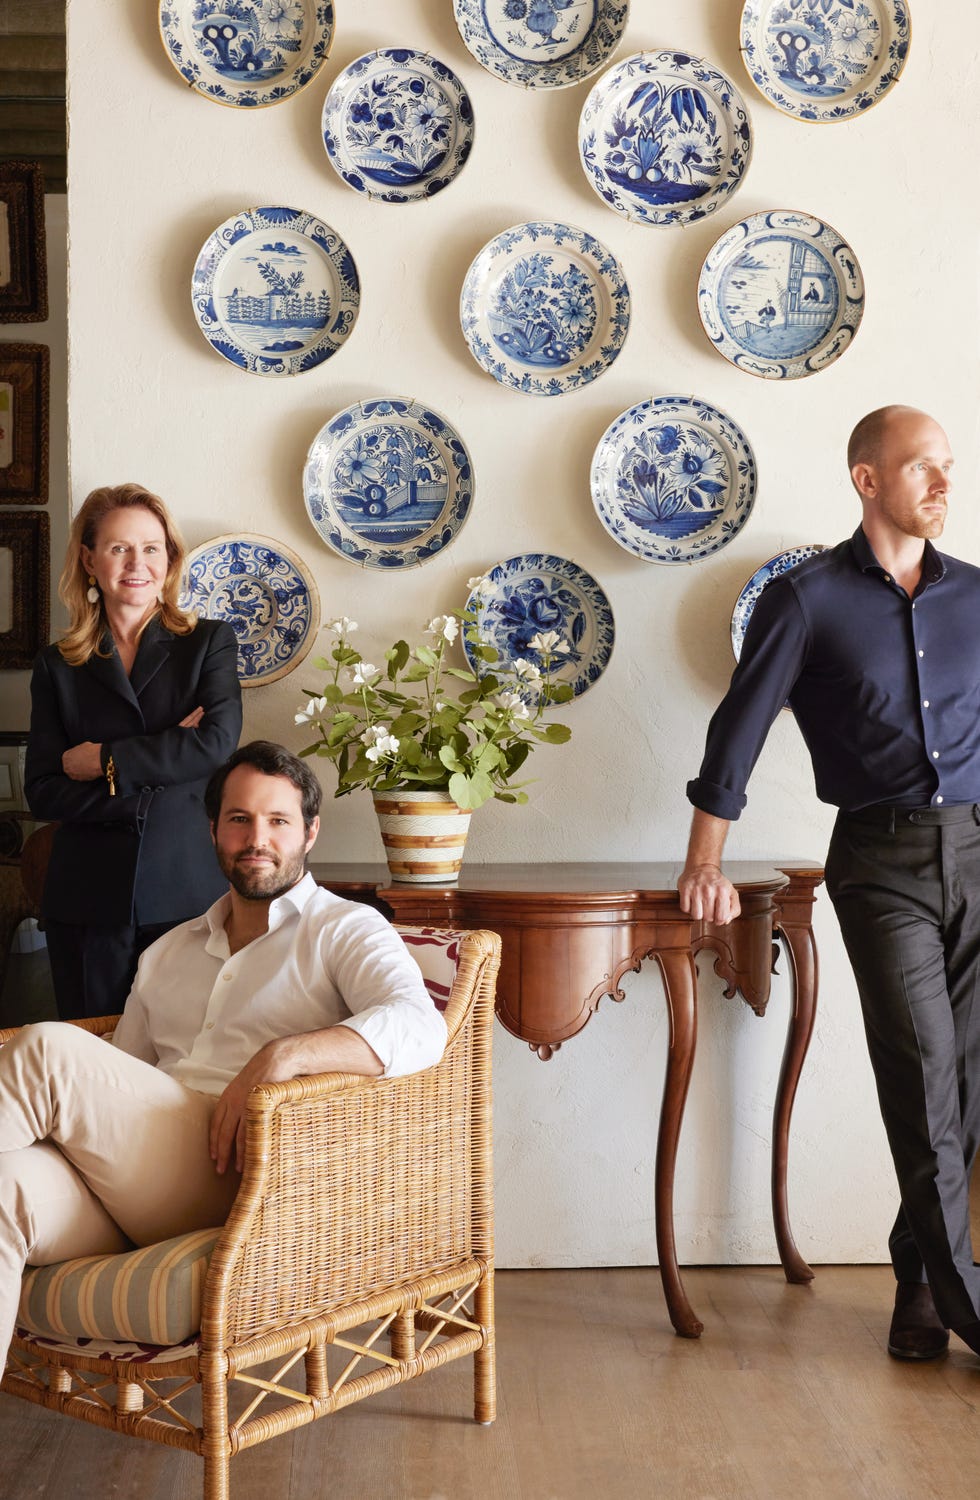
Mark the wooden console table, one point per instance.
(569, 934)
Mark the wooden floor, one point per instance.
(788, 1396)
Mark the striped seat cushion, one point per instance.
(152, 1295)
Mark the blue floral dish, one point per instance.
(247, 53)
(664, 138)
(275, 291)
(748, 598)
(781, 295)
(264, 592)
(397, 125)
(823, 60)
(545, 308)
(541, 44)
(388, 483)
(532, 595)
(673, 479)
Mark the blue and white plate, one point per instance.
(537, 593)
(749, 597)
(781, 295)
(266, 595)
(397, 125)
(388, 483)
(275, 291)
(541, 44)
(673, 479)
(247, 55)
(664, 138)
(823, 60)
(545, 308)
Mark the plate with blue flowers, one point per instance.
(388, 484)
(264, 592)
(275, 291)
(749, 597)
(541, 44)
(664, 138)
(537, 599)
(545, 308)
(673, 479)
(397, 125)
(781, 295)
(247, 53)
(824, 60)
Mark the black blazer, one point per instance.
(144, 855)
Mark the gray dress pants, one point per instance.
(906, 888)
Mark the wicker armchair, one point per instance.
(365, 1210)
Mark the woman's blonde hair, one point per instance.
(87, 623)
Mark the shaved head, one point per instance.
(867, 439)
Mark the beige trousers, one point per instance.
(97, 1149)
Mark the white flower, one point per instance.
(513, 704)
(314, 707)
(443, 627)
(361, 674)
(482, 586)
(384, 745)
(546, 641)
(342, 626)
(526, 669)
(439, 705)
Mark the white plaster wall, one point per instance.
(154, 168)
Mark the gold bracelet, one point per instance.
(110, 775)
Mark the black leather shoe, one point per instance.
(917, 1331)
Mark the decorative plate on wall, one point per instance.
(275, 291)
(264, 592)
(388, 483)
(536, 593)
(541, 44)
(781, 295)
(397, 125)
(673, 479)
(247, 55)
(664, 138)
(824, 60)
(748, 598)
(545, 308)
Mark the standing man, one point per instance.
(875, 643)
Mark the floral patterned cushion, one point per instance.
(436, 952)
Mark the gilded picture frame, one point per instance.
(24, 581)
(24, 412)
(23, 260)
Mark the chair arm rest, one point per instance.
(98, 1025)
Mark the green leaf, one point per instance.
(452, 672)
(397, 658)
(450, 759)
(321, 664)
(406, 723)
(555, 734)
(470, 791)
(517, 754)
(489, 757)
(426, 656)
(416, 672)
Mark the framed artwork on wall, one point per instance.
(23, 263)
(24, 384)
(16, 821)
(24, 548)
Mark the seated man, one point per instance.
(105, 1145)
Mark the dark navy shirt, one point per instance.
(885, 689)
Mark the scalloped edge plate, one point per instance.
(568, 67)
(183, 50)
(774, 567)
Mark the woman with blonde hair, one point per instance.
(132, 710)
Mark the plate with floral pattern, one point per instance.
(664, 138)
(397, 125)
(266, 595)
(749, 597)
(534, 595)
(673, 479)
(541, 44)
(275, 291)
(824, 60)
(545, 308)
(247, 54)
(781, 295)
(388, 484)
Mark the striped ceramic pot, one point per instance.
(423, 834)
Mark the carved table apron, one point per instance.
(571, 931)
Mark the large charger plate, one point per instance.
(247, 55)
(275, 290)
(266, 595)
(781, 295)
(388, 483)
(541, 44)
(545, 308)
(749, 596)
(824, 60)
(397, 125)
(535, 593)
(664, 138)
(673, 479)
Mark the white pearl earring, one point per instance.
(93, 595)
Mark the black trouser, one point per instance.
(906, 889)
(93, 967)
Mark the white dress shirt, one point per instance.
(201, 1013)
